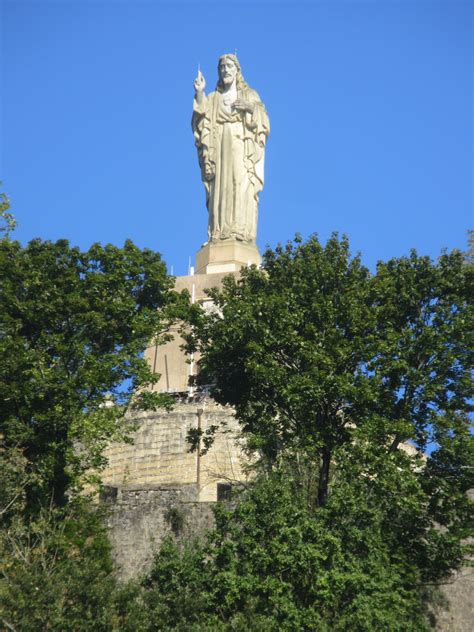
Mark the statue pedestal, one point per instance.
(227, 255)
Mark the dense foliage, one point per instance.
(7, 221)
(73, 328)
(369, 559)
(352, 391)
(313, 349)
(57, 574)
(362, 382)
(276, 563)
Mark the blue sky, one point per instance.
(370, 105)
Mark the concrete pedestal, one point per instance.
(226, 256)
(169, 360)
(214, 261)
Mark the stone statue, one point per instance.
(231, 127)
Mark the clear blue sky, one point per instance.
(370, 105)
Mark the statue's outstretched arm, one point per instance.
(199, 85)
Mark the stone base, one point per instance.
(169, 359)
(228, 255)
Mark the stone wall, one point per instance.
(159, 454)
(142, 516)
(456, 614)
(155, 486)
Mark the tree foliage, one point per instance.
(314, 349)
(7, 221)
(369, 559)
(275, 562)
(353, 391)
(73, 329)
(57, 573)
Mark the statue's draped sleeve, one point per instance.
(201, 125)
(256, 130)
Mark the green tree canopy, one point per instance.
(313, 349)
(73, 328)
(274, 562)
(353, 391)
(7, 221)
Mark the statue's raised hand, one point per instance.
(199, 82)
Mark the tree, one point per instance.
(6, 217)
(274, 562)
(362, 384)
(73, 329)
(57, 573)
(313, 349)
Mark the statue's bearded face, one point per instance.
(227, 71)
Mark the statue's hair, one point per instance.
(239, 80)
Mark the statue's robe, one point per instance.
(231, 149)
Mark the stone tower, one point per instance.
(155, 478)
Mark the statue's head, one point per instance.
(228, 68)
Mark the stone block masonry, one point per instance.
(155, 486)
(457, 613)
(159, 454)
(142, 516)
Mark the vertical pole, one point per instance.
(191, 365)
(198, 458)
(167, 373)
(154, 361)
